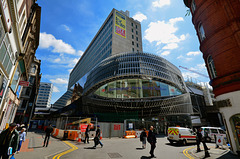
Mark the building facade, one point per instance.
(119, 33)
(44, 97)
(63, 100)
(218, 29)
(19, 39)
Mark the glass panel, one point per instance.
(214, 131)
(164, 89)
(112, 90)
(2, 52)
(156, 88)
(133, 88)
(103, 90)
(6, 60)
(236, 126)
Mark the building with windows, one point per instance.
(119, 33)
(63, 101)
(44, 97)
(19, 39)
(218, 28)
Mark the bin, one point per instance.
(65, 135)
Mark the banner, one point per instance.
(120, 24)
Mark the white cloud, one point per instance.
(57, 45)
(55, 89)
(56, 60)
(59, 81)
(171, 46)
(161, 3)
(184, 58)
(187, 75)
(70, 70)
(139, 16)
(165, 53)
(164, 32)
(66, 28)
(73, 62)
(194, 53)
(80, 53)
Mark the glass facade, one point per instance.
(136, 88)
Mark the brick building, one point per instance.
(218, 28)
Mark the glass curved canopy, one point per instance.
(136, 88)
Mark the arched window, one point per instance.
(33, 69)
(193, 6)
(201, 32)
(211, 67)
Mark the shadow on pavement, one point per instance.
(36, 147)
(139, 148)
(89, 147)
(145, 157)
(228, 155)
(179, 145)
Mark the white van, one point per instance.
(181, 135)
(213, 132)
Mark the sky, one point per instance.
(67, 28)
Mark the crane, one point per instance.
(193, 71)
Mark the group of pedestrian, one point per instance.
(96, 138)
(151, 138)
(11, 140)
(201, 138)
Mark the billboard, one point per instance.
(120, 24)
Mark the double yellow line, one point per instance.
(65, 152)
(185, 152)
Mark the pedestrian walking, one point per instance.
(22, 136)
(201, 138)
(48, 131)
(87, 134)
(8, 139)
(152, 140)
(97, 137)
(143, 138)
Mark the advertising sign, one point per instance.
(24, 83)
(117, 127)
(120, 24)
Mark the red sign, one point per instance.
(83, 127)
(117, 127)
(120, 31)
(24, 83)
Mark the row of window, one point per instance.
(136, 88)
(202, 37)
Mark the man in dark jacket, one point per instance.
(152, 140)
(9, 138)
(87, 134)
(202, 139)
(97, 137)
(48, 131)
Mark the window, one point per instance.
(136, 32)
(137, 38)
(193, 6)
(214, 131)
(132, 24)
(132, 30)
(201, 32)
(132, 43)
(221, 131)
(136, 26)
(137, 44)
(133, 49)
(132, 36)
(211, 67)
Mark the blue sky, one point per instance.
(67, 28)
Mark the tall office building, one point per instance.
(63, 100)
(44, 96)
(218, 29)
(119, 33)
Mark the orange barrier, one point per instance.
(56, 133)
(130, 134)
(72, 135)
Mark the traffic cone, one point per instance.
(101, 136)
(79, 137)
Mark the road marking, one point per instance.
(185, 152)
(65, 152)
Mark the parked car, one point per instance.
(213, 132)
(181, 135)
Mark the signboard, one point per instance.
(117, 127)
(6, 13)
(83, 127)
(24, 83)
(120, 24)
(130, 125)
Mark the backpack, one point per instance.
(141, 137)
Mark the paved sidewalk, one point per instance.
(220, 153)
(33, 146)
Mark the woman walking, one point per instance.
(22, 136)
(143, 138)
